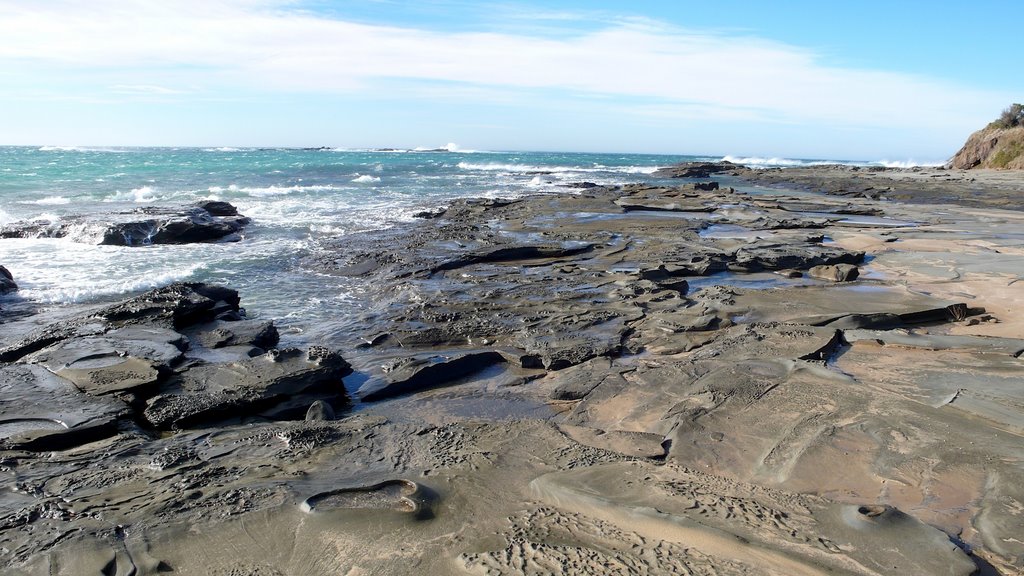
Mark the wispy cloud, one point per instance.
(268, 46)
(145, 90)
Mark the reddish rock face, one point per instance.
(992, 148)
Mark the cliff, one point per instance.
(992, 147)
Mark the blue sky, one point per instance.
(842, 80)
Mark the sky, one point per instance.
(864, 80)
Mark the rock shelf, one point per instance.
(647, 379)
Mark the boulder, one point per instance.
(835, 272)
(179, 305)
(7, 284)
(212, 392)
(218, 208)
(209, 221)
(221, 333)
(415, 374)
(767, 255)
(319, 411)
(196, 225)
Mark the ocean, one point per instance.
(296, 198)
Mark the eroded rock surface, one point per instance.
(628, 380)
(131, 356)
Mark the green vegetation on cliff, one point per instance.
(1011, 117)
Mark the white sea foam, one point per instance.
(501, 167)
(86, 233)
(267, 191)
(222, 149)
(449, 147)
(328, 229)
(141, 194)
(906, 163)
(85, 290)
(281, 190)
(557, 170)
(48, 201)
(45, 217)
(636, 169)
(365, 178)
(759, 162)
(80, 149)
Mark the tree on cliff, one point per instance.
(1011, 117)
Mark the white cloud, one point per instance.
(145, 90)
(269, 46)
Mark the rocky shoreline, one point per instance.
(703, 378)
(976, 188)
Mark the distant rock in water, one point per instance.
(695, 169)
(998, 145)
(206, 222)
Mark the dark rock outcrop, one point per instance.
(178, 305)
(417, 374)
(196, 225)
(771, 256)
(222, 333)
(171, 307)
(515, 253)
(7, 284)
(695, 169)
(282, 383)
(133, 354)
(207, 222)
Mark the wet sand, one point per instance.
(639, 380)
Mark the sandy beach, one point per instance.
(803, 371)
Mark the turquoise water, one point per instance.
(295, 197)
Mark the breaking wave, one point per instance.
(776, 162)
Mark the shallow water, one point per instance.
(295, 197)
